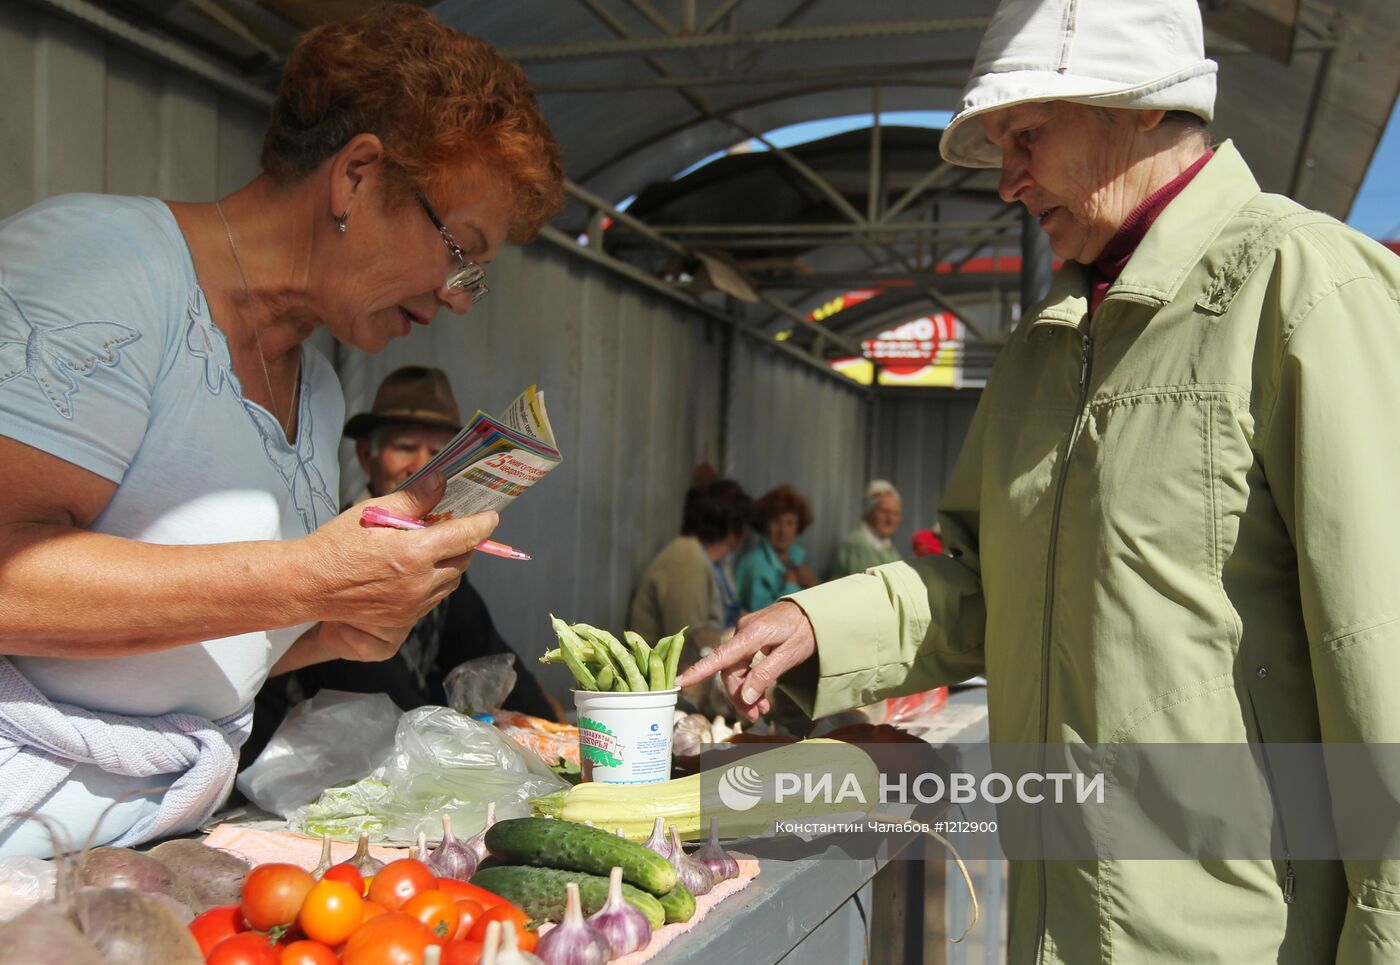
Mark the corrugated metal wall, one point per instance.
(917, 440)
(81, 114)
(790, 424)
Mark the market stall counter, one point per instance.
(884, 909)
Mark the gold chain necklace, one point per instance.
(257, 335)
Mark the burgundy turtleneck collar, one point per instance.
(1106, 268)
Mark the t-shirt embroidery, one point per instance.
(49, 355)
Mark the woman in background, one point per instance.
(777, 566)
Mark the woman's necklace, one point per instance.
(257, 335)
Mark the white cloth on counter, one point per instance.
(41, 742)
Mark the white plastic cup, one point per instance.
(625, 738)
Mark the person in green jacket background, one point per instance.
(870, 543)
(1173, 518)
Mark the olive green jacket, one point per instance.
(1179, 524)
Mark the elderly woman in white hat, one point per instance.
(1173, 519)
(870, 543)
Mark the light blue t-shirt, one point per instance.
(109, 360)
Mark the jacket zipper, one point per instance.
(1086, 366)
(1289, 879)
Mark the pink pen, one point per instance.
(375, 516)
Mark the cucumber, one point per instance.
(577, 847)
(678, 903)
(540, 892)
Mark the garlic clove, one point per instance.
(625, 928)
(689, 872)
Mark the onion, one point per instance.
(131, 928)
(124, 868)
(214, 877)
(689, 872)
(657, 841)
(44, 935)
(452, 859)
(720, 862)
(573, 941)
(476, 844)
(362, 861)
(625, 928)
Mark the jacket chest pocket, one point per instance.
(1154, 488)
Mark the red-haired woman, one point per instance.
(169, 534)
(777, 566)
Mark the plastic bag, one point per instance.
(24, 881)
(442, 762)
(481, 685)
(332, 738)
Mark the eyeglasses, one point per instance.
(470, 276)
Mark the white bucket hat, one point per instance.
(1140, 54)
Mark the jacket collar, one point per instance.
(1171, 248)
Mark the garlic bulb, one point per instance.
(720, 862)
(625, 928)
(476, 844)
(324, 864)
(657, 841)
(452, 858)
(420, 850)
(362, 861)
(574, 941)
(689, 872)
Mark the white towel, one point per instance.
(41, 742)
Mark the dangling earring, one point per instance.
(340, 221)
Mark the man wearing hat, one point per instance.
(414, 416)
(1173, 520)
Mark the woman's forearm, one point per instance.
(308, 649)
(67, 592)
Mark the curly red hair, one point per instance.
(443, 103)
(779, 500)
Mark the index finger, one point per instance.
(738, 648)
(456, 537)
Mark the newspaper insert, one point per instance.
(492, 461)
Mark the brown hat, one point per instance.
(414, 394)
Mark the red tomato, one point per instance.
(215, 925)
(347, 873)
(331, 911)
(465, 889)
(461, 953)
(506, 913)
(374, 909)
(436, 909)
(245, 948)
(470, 911)
(399, 881)
(273, 893)
(392, 939)
(308, 953)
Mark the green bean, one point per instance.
(640, 650)
(620, 686)
(568, 642)
(605, 678)
(657, 671)
(620, 657)
(673, 657)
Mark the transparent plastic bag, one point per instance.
(24, 881)
(480, 685)
(442, 762)
(332, 738)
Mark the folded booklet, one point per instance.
(491, 461)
